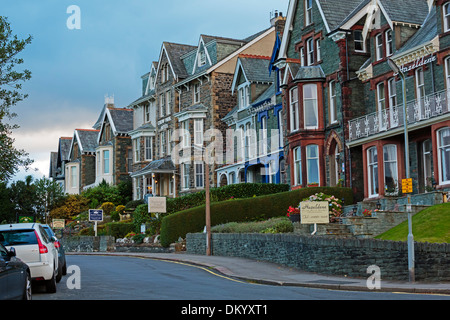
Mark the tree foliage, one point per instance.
(10, 94)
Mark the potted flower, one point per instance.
(367, 213)
(293, 214)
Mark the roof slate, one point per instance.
(122, 119)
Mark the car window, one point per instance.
(18, 237)
(44, 234)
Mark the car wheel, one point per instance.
(27, 290)
(50, 285)
(59, 275)
(64, 269)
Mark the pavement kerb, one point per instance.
(392, 287)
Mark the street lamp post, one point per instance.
(410, 241)
(208, 211)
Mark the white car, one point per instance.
(34, 247)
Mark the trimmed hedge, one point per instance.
(192, 220)
(119, 229)
(241, 190)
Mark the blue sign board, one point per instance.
(95, 215)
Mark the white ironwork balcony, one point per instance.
(428, 107)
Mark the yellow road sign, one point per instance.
(407, 186)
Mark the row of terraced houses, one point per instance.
(317, 98)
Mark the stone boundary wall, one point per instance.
(345, 257)
(88, 243)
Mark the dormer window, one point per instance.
(308, 12)
(244, 96)
(359, 41)
(201, 58)
(389, 44)
(379, 46)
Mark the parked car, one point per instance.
(62, 268)
(15, 276)
(34, 247)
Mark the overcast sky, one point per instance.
(73, 69)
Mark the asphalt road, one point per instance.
(128, 278)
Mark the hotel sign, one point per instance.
(157, 205)
(418, 63)
(312, 212)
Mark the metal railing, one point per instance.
(430, 106)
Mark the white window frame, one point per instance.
(446, 16)
(199, 174)
(447, 71)
(297, 166)
(389, 161)
(315, 106)
(309, 159)
(302, 56)
(196, 92)
(264, 136)
(333, 104)
(392, 91)
(148, 148)
(162, 141)
(379, 46)
(420, 89)
(186, 175)
(440, 158)
(308, 12)
(389, 43)
(372, 167)
(137, 151)
(427, 153)
(168, 101)
(185, 134)
(147, 113)
(310, 51)
(294, 109)
(198, 132)
(73, 177)
(106, 162)
(201, 58)
(162, 104)
(361, 41)
(318, 52)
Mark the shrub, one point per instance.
(119, 229)
(107, 208)
(72, 206)
(134, 204)
(274, 205)
(273, 225)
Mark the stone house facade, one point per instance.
(206, 97)
(80, 167)
(409, 51)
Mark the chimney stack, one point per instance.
(277, 20)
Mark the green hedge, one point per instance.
(274, 205)
(119, 229)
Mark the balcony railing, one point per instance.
(430, 106)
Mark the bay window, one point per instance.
(297, 166)
(293, 109)
(444, 155)
(310, 109)
(372, 163)
(446, 16)
(312, 164)
(390, 168)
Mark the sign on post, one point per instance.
(95, 215)
(312, 212)
(58, 223)
(157, 205)
(407, 185)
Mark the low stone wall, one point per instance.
(331, 256)
(88, 243)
